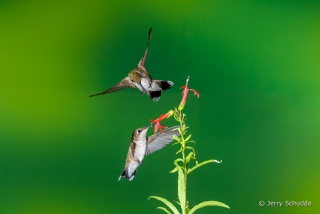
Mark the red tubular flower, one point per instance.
(171, 112)
(157, 121)
(185, 94)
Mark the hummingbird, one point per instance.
(140, 146)
(141, 79)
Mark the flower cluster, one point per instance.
(171, 112)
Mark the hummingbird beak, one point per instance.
(147, 127)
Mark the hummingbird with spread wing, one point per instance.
(141, 79)
(140, 146)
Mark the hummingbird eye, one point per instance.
(139, 130)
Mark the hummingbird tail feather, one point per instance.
(127, 174)
(95, 94)
(155, 95)
(164, 84)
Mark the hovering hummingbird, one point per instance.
(140, 146)
(140, 78)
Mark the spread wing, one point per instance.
(125, 83)
(144, 57)
(160, 140)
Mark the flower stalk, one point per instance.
(182, 165)
(175, 111)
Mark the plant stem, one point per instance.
(185, 181)
(183, 144)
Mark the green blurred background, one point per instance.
(256, 65)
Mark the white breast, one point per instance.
(145, 83)
(140, 149)
(149, 86)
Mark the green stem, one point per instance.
(185, 181)
(185, 169)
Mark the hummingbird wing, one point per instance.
(160, 140)
(144, 57)
(132, 149)
(125, 83)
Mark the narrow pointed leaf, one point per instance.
(201, 164)
(181, 188)
(177, 160)
(164, 209)
(166, 202)
(180, 150)
(175, 137)
(206, 204)
(191, 141)
(187, 138)
(188, 158)
(189, 147)
(175, 128)
(180, 132)
(174, 170)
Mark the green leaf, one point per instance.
(176, 143)
(177, 160)
(181, 188)
(192, 141)
(206, 204)
(180, 150)
(184, 127)
(176, 129)
(188, 158)
(180, 132)
(164, 209)
(201, 164)
(174, 170)
(191, 148)
(175, 137)
(187, 138)
(166, 202)
(177, 165)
